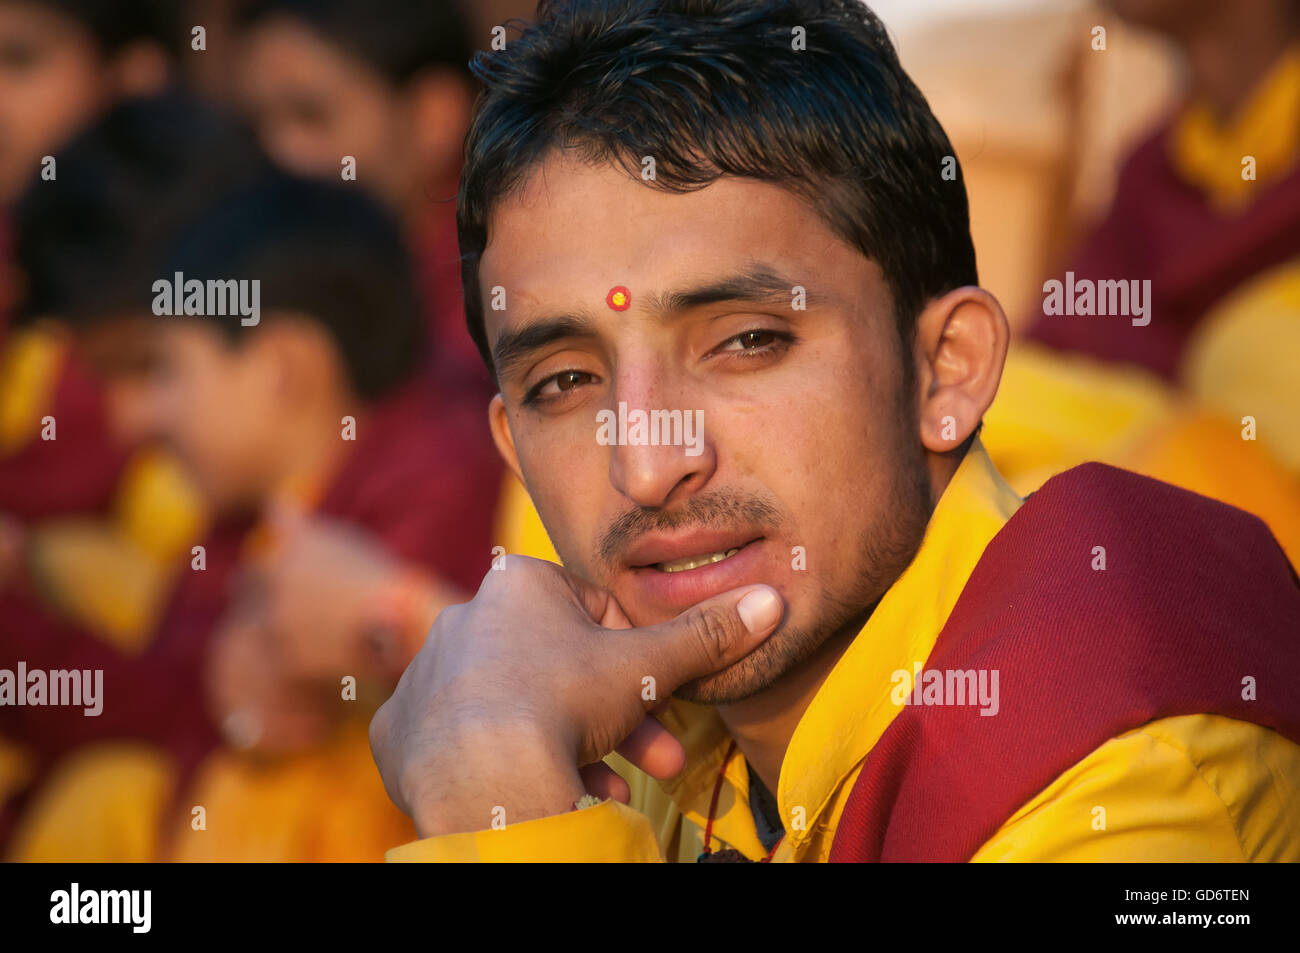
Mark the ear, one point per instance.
(961, 345)
(499, 423)
(441, 104)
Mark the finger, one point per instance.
(654, 749)
(707, 637)
(600, 780)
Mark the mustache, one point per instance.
(715, 508)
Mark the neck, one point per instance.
(1227, 57)
(763, 724)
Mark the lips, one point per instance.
(666, 575)
(680, 552)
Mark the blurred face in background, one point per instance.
(214, 405)
(55, 80)
(52, 82)
(312, 103)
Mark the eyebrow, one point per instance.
(513, 347)
(757, 285)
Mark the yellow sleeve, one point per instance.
(1193, 788)
(608, 832)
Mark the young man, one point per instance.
(817, 624)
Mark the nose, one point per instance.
(661, 451)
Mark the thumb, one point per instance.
(717, 632)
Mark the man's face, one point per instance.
(52, 82)
(809, 473)
(312, 105)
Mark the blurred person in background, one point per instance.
(89, 578)
(1207, 208)
(62, 64)
(377, 92)
(349, 493)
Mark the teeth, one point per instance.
(691, 562)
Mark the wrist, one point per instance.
(499, 787)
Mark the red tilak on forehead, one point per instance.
(619, 298)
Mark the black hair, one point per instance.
(116, 24)
(325, 251)
(398, 38)
(85, 241)
(718, 87)
(163, 185)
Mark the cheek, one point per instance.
(55, 101)
(830, 468)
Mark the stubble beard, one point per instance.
(885, 551)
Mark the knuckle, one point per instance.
(717, 632)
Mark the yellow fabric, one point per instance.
(1054, 411)
(101, 806)
(109, 803)
(1243, 358)
(158, 507)
(97, 578)
(15, 769)
(1267, 127)
(113, 576)
(323, 805)
(1206, 454)
(1253, 797)
(29, 373)
(1194, 788)
(518, 525)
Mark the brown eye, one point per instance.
(571, 379)
(752, 339)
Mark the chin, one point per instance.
(755, 673)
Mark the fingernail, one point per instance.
(759, 610)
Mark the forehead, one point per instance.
(573, 230)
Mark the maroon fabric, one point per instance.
(452, 355)
(77, 472)
(1195, 596)
(156, 696)
(1161, 228)
(425, 478)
